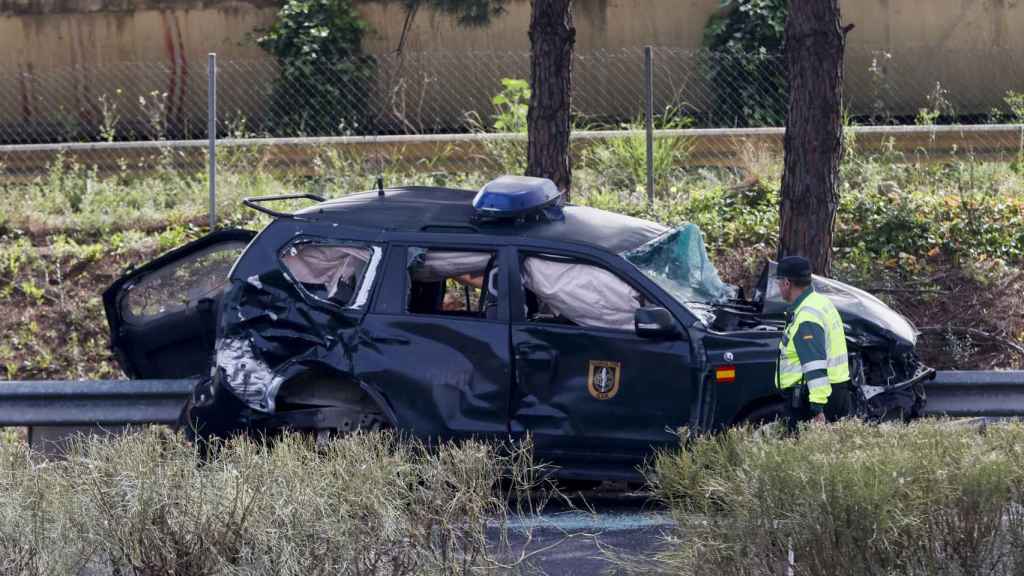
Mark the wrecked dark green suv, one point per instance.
(450, 313)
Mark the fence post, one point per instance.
(211, 133)
(649, 109)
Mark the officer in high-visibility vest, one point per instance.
(812, 354)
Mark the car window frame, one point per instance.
(501, 255)
(363, 291)
(517, 315)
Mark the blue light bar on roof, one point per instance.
(515, 197)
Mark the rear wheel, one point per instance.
(318, 408)
(327, 407)
(364, 417)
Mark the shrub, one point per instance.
(324, 79)
(745, 68)
(364, 505)
(933, 498)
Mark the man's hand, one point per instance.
(819, 418)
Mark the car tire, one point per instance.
(360, 418)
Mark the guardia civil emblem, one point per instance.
(603, 379)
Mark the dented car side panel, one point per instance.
(652, 391)
(441, 376)
(431, 376)
(272, 331)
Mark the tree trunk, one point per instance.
(552, 36)
(814, 45)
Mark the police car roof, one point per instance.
(446, 209)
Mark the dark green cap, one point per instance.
(796, 267)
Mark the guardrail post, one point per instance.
(649, 113)
(211, 133)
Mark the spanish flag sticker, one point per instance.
(725, 374)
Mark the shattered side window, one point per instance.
(452, 282)
(329, 272)
(182, 284)
(566, 291)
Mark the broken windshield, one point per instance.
(678, 262)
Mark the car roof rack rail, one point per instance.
(442, 226)
(255, 202)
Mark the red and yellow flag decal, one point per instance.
(725, 374)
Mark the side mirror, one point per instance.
(655, 323)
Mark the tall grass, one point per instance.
(144, 504)
(933, 498)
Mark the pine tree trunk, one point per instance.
(814, 45)
(552, 36)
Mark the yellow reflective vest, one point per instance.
(819, 310)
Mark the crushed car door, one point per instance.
(162, 316)
(587, 388)
(437, 340)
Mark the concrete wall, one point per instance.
(973, 47)
(36, 35)
(41, 34)
(599, 24)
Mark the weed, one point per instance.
(1015, 101)
(621, 163)
(510, 108)
(110, 117)
(155, 111)
(938, 105)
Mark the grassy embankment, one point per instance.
(942, 243)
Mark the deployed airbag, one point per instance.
(326, 264)
(438, 265)
(585, 294)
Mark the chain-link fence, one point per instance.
(430, 111)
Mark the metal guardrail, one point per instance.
(976, 393)
(120, 402)
(707, 146)
(92, 402)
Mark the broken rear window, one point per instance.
(329, 272)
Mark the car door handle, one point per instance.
(535, 355)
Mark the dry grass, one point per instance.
(933, 498)
(371, 504)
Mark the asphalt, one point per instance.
(584, 535)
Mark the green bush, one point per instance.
(323, 84)
(745, 67)
(936, 498)
(963, 210)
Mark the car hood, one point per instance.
(865, 314)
